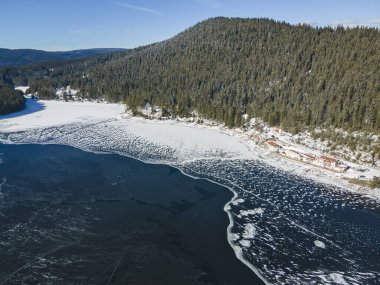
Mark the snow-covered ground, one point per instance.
(39, 114)
(23, 89)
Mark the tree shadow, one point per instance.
(31, 106)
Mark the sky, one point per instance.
(78, 24)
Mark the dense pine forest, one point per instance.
(10, 99)
(296, 77)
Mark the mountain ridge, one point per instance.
(294, 76)
(10, 57)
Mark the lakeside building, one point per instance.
(331, 163)
(321, 161)
(328, 161)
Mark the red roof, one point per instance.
(272, 143)
(330, 159)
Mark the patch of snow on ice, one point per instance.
(2, 182)
(245, 243)
(227, 207)
(249, 231)
(251, 212)
(238, 201)
(233, 237)
(337, 278)
(319, 243)
(258, 210)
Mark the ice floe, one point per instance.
(238, 201)
(251, 212)
(249, 231)
(337, 278)
(233, 237)
(245, 243)
(319, 243)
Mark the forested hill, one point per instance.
(28, 56)
(293, 76)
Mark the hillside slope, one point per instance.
(294, 76)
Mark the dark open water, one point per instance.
(73, 217)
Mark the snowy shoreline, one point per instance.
(261, 153)
(174, 133)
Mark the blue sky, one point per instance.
(77, 24)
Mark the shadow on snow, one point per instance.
(31, 106)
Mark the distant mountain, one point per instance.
(28, 56)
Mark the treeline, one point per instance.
(10, 100)
(294, 76)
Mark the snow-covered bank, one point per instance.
(189, 139)
(189, 142)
